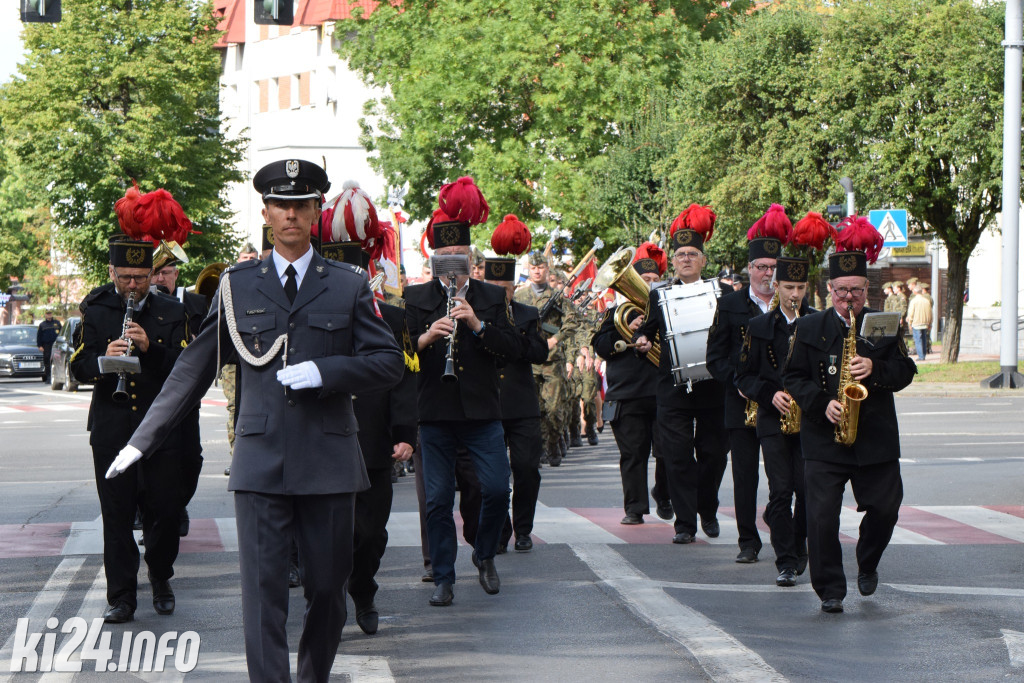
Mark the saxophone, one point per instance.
(750, 412)
(851, 392)
(790, 424)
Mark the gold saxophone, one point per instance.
(851, 392)
(789, 424)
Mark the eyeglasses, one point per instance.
(847, 291)
(125, 279)
(761, 268)
(687, 256)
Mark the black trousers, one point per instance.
(469, 494)
(525, 446)
(693, 482)
(47, 350)
(373, 509)
(153, 486)
(878, 490)
(633, 428)
(784, 468)
(745, 448)
(322, 526)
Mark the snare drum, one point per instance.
(688, 311)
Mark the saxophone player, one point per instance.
(821, 346)
(759, 377)
(157, 332)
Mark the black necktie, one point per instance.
(291, 288)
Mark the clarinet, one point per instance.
(449, 356)
(121, 392)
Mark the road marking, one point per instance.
(998, 523)
(1014, 646)
(948, 412)
(228, 533)
(849, 524)
(359, 668)
(93, 605)
(43, 607)
(982, 591)
(722, 656)
(560, 525)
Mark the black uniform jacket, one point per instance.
(294, 442)
(759, 375)
(518, 390)
(705, 394)
(475, 396)
(811, 376)
(725, 340)
(388, 417)
(630, 374)
(163, 318)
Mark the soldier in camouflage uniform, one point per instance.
(591, 322)
(557, 328)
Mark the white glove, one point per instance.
(305, 375)
(128, 456)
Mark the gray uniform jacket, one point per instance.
(288, 442)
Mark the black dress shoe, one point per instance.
(632, 518)
(554, 460)
(294, 578)
(183, 523)
(683, 538)
(832, 605)
(119, 613)
(443, 595)
(867, 582)
(227, 471)
(367, 618)
(163, 596)
(428, 575)
(801, 564)
(524, 543)
(489, 577)
(747, 556)
(663, 507)
(711, 527)
(576, 441)
(786, 578)
(592, 438)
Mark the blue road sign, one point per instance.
(892, 223)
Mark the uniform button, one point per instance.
(291, 350)
(134, 396)
(330, 325)
(461, 368)
(135, 408)
(291, 326)
(159, 341)
(254, 328)
(242, 430)
(501, 376)
(132, 383)
(291, 402)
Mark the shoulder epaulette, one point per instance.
(348, 267)
(243, 265)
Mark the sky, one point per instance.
(10, 39)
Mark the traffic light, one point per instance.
(40, 11)
(279, 12)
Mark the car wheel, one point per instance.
(69, 380)
(55, 384)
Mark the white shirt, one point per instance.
(301, 265)
(763, 305)
(788, 319)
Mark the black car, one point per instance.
(19, 355)
(60, 359)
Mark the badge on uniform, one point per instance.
(832, 370)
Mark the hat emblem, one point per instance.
(848, 263)
(498, 269)
(771, 247)
(291, 168)
(449, 235)
(270, 234)
(798, 271)
(134, 256)
(684, 237)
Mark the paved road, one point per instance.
(593, 601)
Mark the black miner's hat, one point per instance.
(128, 253)
(291, 179)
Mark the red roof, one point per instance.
(232, 21)
(316, 12)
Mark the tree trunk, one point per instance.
(953, 310)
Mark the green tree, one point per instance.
(120, 90)
(524, 99)
(914, 89)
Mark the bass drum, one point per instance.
(688, 311)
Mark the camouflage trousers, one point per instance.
(552, 395)
(590, 393)
(584, 388)
(227, 383)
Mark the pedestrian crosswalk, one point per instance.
(918, 525)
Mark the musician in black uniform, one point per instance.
(724, 343)
(46, 335)
(632, 384)
(387, 433)
(520, 411)
(466, 411)
(689, 419)
(158, 332)
(871, 464)
(759, 378)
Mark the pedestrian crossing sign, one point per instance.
(892, 223)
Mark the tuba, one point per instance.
(617, 273)
(851, 392)
(209, 280)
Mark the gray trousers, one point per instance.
(322, 526)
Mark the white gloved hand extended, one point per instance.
(305, 375)
(128, 456)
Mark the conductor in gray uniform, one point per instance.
(305, 335)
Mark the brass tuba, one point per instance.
(209, 280)
(617, 273)
(851, 392)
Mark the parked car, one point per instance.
(60, 359)
(19, 355)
